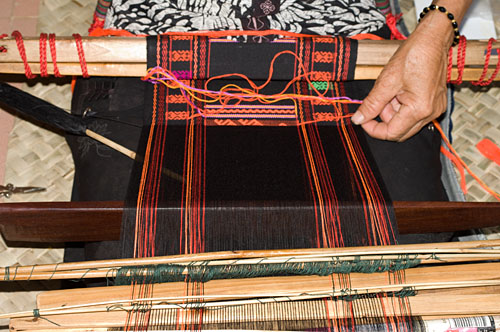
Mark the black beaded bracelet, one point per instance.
(443, 10)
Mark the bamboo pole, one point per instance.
(126, 56)
(193, 302)
(253, 256)
(433, 307)
(421, 306)
(28, 273)
(434, 304)
(217, 290)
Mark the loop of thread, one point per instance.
(461, 51)
(43, 55)
(81, 55)
(22, 52)
(52, 46)
(481, 81)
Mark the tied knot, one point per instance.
(391, 22)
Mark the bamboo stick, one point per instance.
(195, 303)
(232, 257)
(237, 288)
(22, 273)
(441, 305)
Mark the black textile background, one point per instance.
(411, 170)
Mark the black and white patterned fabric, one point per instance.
(322, 17)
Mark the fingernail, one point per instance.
(357, 118)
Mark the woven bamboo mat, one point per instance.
(39, 157)
(476, 116)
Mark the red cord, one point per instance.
(461, 51)
(3, 49)
(450, 65)
(481, 81)
(81, 54)
(22, 52)
(52, 46)
(391, 22)
(97, 23)
(43, 55)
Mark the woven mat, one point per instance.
(476, 116)
(39, 157)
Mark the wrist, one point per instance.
(441, 20)
(440, 24)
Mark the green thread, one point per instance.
(86, 272)
(321, 85)
(31, 273)
(37, 315)
(53, 272)
(150, 274)
(353, 295)
(15, 273)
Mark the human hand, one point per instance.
(411, 90)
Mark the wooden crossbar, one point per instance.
(126, 56)
(98, 221)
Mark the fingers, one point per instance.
(383, 92)
(398, 126)
(388, 112)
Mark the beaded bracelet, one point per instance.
(454, 23)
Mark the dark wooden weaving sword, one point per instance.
(98, 221)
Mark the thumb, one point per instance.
(381, 95)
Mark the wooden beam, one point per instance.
(133, 50)
(126, 56)
(98, 221)
(362, 72)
